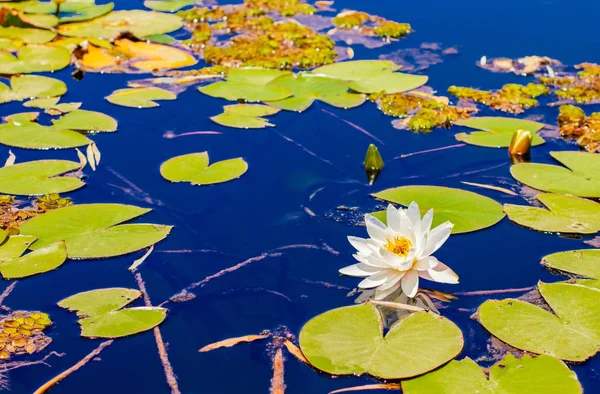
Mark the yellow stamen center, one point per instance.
(398, 245)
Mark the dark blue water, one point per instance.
(223, 225)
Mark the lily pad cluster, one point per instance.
(574, 123)
(511, 98)
(22, 332)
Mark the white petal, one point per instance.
(426, 221)
(360, 244)
(394, 261)
(394, 218)
(437, 237)
(414, 215)
(443, 274)
(391, 280)
(425, 263)
(375, 260)
(360, 270)
(375, 228)
(375, 280)
(381, 294)
(410, 283)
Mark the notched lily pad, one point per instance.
(140, 97)
(101, 314)
(34, 58)
(543, 374)
(584, 263)
(565, 214)
(571, 333)
(468, 211)
(31, 86)
(349, 340)
(250, 84)
(36, 178)
(42, 260)
(496, 131)
(245, 116)
(194, 168)
(94, 230)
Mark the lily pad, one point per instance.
(102, 317)
(14, 247)
(389, 83)
(565, 214)
(357, 70)
(468, 211)
(497, 131)
(527, 375)
(168, 5)
(86, 121)
(245, 116)
(140, 97)
(250, 84)
(137, 22)
(580, 178)
(571, 333)
(42, 260)
(350, 340)
(194, 168)
(307, 88)
(34, 58)
(12, 37)
(22, 132)
(94, 230)
(40, 177)
(31, 86)
(577, 262)
(42, 103)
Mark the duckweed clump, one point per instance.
(370, 25)
(512, 98)
(424, 114)
(390, 29)
(21, 332)
(574, 123)
(258, 40)
(582, 88)
(351, 19)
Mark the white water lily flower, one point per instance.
(398, 254)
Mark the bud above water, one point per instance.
(520, 146)
(373, 163)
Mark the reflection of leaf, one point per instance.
(102, 317)
(34, 58)
(572, 333)
(42, 260)
(580, 178)
(468, 211)
(349, 340)
(167, 5)
(194, 168)
(137, 22)
(307, 88)
(527, 375)
(30, 86)
(245, 116)
(39, 177)
(497, 131)
(578, 262)
(565, 214)
(248, 84)
(140, 97)
(94, 230)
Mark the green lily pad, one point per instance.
(12, 37)
(14, 246)
(307, 88)
(161, 39)
(194, 168)
(137, 22)
(63, 108)
(36, 178)
(102, 317)
(527, 375)
(42, 260)
(571, 333)
(70, 11)
(580, 178)
(245, 116)
(350, 340)
(577, 262)
(34, 58)
(42, 103)
(140, 97)
(31, 86)
(94, 230)
(468, 211)
(23, 132)
(389, 83)
(497, 131)
(565, 214)
(250, 84)
(168, 5)
(356, 70)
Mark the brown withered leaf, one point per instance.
(233, 341)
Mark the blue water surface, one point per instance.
(308, 163)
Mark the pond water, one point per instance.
(308, 163)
